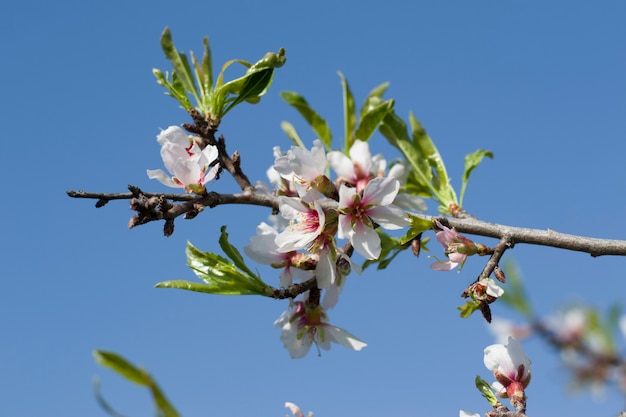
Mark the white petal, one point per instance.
(172, 154)
(361, 155)
(389, 217)
(381, 191)
(410, 202)
(366, 241)
(162, 177)
(174, 134)
(344, 338)
(342, 165)
(187, 172)
(346, 196)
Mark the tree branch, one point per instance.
(510, 234)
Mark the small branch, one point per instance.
(294, 290)
(494, 260)
(233, 165)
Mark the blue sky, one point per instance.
(541, 84)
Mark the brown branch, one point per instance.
(494, 260)
(593, 246)
(511, 235)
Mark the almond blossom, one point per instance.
(456, 246)
(358, 213)
(306, 222)
(359, 168)
(511, 368)
(306, 168)
(302, 325)
(191, 166)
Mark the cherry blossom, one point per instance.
(183, 157)
(302, 325)
(511, 368)
(359, 212)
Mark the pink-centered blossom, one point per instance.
(303, 325)
(511, 368)
(182, 156)
(306, 223)
(359, 168)
(456, 247)
(358, 213)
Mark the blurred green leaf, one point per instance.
(123, 367)
(469, 308)
(139, 376)
(515, 295)
(349, 115)
(291, 133)
(472, 160)
(485, 390)
(319, 125)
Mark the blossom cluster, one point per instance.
(315, 211)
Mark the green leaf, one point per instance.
(428, 172)
(390, 248)
(485, 390)
(180, 63)
(472, 160)
(469, 308)
(349, 115)
(232, 252)
(371, 120)
(291, 133)
(139, 376)
(255, 85)
(417, 226)
(219, 275)
(123, 367)
(319, 125)
(204, 73)
(378, 91)
(429, 152)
